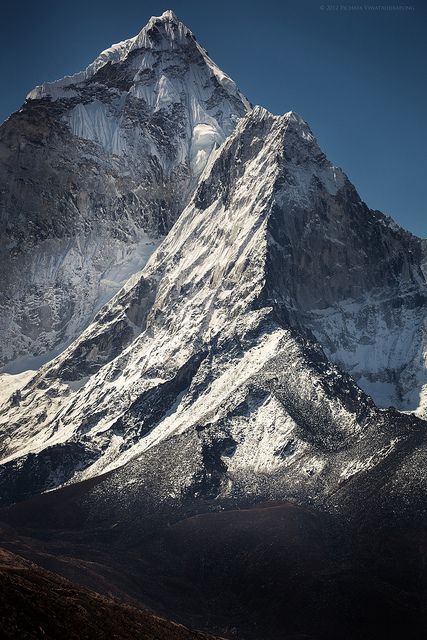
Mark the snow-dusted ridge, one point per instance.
(210, 350)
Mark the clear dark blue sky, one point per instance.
(357, 75)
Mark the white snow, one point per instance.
(94, 121)
(384, 347)
(9, 383)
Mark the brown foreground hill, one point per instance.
(37, 604)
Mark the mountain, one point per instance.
(237, 438)
(94, 170)
(207, 377)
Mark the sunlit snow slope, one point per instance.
(212, 362)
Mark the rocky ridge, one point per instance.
(213, 344)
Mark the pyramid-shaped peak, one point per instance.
(161, 33)
(168, 15)
(159, 30)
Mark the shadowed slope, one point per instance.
(36, 604)
(268, 572)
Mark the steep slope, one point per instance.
(94, 170)
(204, 370)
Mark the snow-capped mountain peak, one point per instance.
(217, 320)
(131, 135)
(161, 33)
(164, 31)
(171, 31)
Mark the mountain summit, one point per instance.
(163, 33)
(96, 168)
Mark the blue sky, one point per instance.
(355, 72)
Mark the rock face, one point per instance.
(206, 378)
(94, 170)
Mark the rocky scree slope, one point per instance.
(205, 378)
(94, 170)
